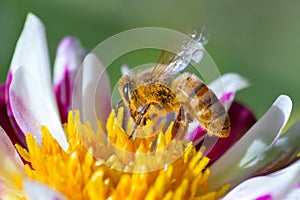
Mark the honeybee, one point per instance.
(160, 90)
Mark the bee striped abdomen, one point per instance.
(204, 104)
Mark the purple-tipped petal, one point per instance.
(33, 108)
(242, 120)
(242, 159)
(35, 190)
(69, 57)
(30, 94)
(31, 51)
(92, 95)
(274, 186)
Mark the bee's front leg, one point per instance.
(141, 120)
(120, 104)
(136, 125)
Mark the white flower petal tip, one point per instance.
(32, 108)
(274, 186)
(243, 158)
(36, 191)
(92, 94)
(31, 50)
(227, 85)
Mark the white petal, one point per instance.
(31, 95)
(11, 164)
(294, 194)
(32, 53)
(38, 191)
(69, 56)
(228, 84)
(241, 159)
(92, 95)
(273, 186)
(33, 108)
(284, 151)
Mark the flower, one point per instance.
(57, 165)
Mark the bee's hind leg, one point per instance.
(179, 126)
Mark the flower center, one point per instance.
(80, 174)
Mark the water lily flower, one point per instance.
(56, 164)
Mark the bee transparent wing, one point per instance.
(193, 51)
(170, 64)
(159, 70)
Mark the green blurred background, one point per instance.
(258, 39)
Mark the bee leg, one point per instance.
(120, 104)
(133, 133)
(179, 124)
(141, 112)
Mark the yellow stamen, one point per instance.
(78, 174)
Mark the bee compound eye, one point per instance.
(126, 91)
